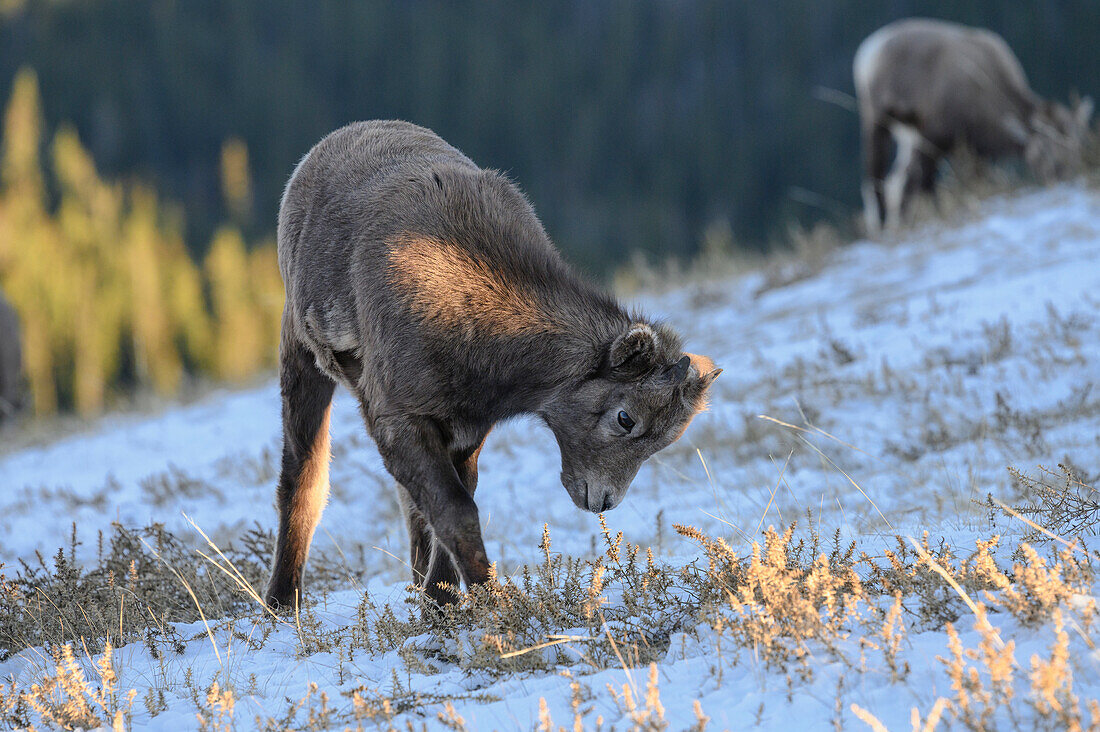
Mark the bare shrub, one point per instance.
(1060, 502)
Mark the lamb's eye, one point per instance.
(625, 421)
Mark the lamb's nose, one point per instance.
(606, 503)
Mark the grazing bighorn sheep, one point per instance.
(428, 288)
(11, 362)
(933, 85)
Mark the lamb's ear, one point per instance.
(634, 352)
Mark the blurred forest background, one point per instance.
(146, 143)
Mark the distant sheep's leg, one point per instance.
(413, 451)
(924, 172)
(920, 176)
(876, 159)
(303, 481)
(872, 219)
(897, 183)
(443, 568)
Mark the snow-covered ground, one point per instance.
(885, 393)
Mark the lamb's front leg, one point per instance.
(414, 452)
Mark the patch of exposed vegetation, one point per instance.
(796, 600)
(140, 583)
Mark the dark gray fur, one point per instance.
(430, 390)
(11, 362)
(946, 84)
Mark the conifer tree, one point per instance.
(236, 180)
(238, 329)
(155, 356)
(25, 236)
(107, 295)
(88, 219)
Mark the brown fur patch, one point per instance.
(446, 285)
(311, 494)
(702, 364)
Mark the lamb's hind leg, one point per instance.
(303, 481)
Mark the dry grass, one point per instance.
(141, 582)
(65, 698)
(1063, 503)
(795, 600)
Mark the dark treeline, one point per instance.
(631, 124)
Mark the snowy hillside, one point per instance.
(884, 394)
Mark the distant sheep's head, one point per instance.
(1054, 139)
(639, 401)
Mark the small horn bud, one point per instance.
(678, 371)
(682, 367)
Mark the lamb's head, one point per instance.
(1056, 136)
(639, 401)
